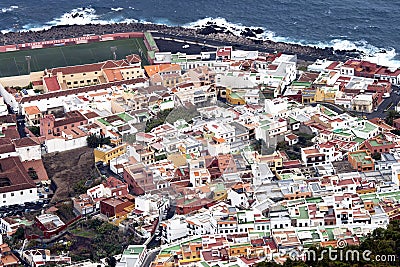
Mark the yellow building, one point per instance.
(190, 252)
(108, 153)
(234, 98)
(274, 161)
(63, 78)
(239, 250)
(32, 115)
(325, 94)
(308, 96)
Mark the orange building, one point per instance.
(361, 160)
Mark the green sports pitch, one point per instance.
(15, 63)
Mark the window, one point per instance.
(12, 194)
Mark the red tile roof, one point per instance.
(32, 110)
(80, 90)
(14, 176)
(26, 141)
(52, 84)
(6, 145)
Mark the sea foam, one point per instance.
(382, 56)
(8, 9)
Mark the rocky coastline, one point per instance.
(210, 33)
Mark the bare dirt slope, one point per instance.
(68, 168)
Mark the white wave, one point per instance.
(77, 16)
(8, 9)
(372, 53)
(116, 9)
(236, 29)
(81, 16)
(384, 58)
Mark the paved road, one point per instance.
(150, 257)
(394, 98)
(21, 126)
(387, 104)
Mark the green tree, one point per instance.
(94, 141)
(391, 116)
(35, 130)
(158, 120)
(376, 156)
(32, 173)
(282, 146)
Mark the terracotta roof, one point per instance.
(113, 75)
(52, 84)
(132, 59)
(26, 141)
(224, 52)
(9, 118)
(14, 176)
(38, 166)
(32, 110)
(291, 136)
(11, 132)
(6, 145)
(91, 115)
(153, 69)
(36, 83)
(333, 65)
(70, 117)
(80, 90)
(78, 69)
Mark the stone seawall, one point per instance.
(209, 35)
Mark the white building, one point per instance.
(221, 130)
(28, 148)
(199, 224)
(16, 185)
(133, 256)
(174, 229)
(277, 107)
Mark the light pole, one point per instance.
(113, 50)
(28, 60)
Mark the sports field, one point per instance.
(14, 63)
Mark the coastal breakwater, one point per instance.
(210, 34)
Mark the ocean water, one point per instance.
(371, 26)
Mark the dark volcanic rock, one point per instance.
(248, 33)
(258, 31)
